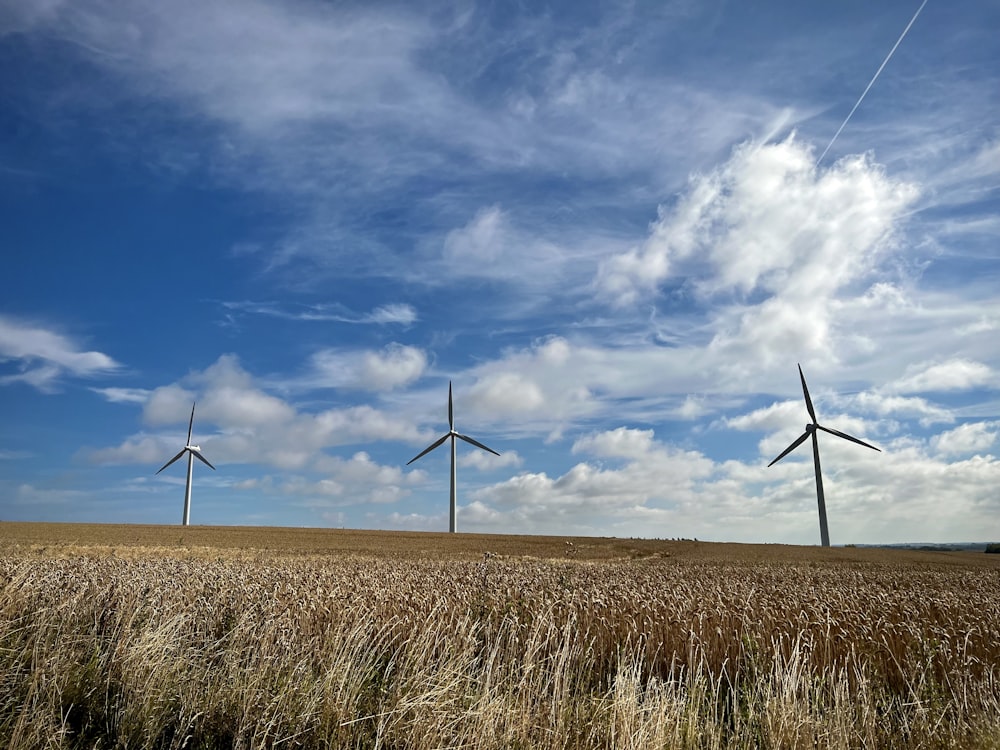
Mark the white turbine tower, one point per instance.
(193, 451)
(451, 434)
(812, 429)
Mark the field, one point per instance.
(171, 637)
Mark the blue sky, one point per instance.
(607, 223)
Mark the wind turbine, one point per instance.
(451, 434)
(811, 429)
(193, 451)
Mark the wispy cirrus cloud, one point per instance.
(388, 314)
(44, 357)
(124, 395)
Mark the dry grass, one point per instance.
(110, 643)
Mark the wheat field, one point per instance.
(163, 637)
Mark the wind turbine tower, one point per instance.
(193, 451)
(811, 431)
(451, 434)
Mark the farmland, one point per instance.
(169, 637)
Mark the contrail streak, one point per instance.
(872, 81)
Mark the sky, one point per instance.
(615, 227)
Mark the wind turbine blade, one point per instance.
(476, 443)
(191, 423)
(201, 458)
(428, 449)
(805, 390)
(172, 460)
(844, 435)
(790, 448)
(451, 410)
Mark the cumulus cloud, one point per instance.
(352, 481)
(950, 375)
(886, 405)
(659, 490)
(772, 417)
(169, 404)
(238, 421)
(622, 442)
(44, 357)
(654, 475)
(394, 366)
(784, 422)
(483, 461)
(505, 393)
(555, 382)
(691, 408)
(137, 449)
(767, 225)
(966, 439)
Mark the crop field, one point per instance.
(171, 637)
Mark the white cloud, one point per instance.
(912, 407)
(395, 366)
(785, 421)
(481, 242)
(169, 404)
(392, 313)
(236, 421)
(45, 357)
(691, 408)
(124, 395)
(769, 418)
(768, 220)
(966, 439)
(894, 496)
(493, 246)
(622, 442)
(360, 470)
(138, 449)
(505, 393)
(767, 223)
(653, 471)
(395, 313)
(950, 375)
(483, 461)
(354, 481)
